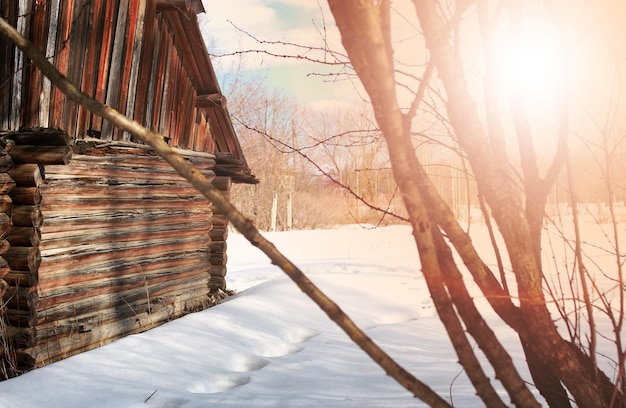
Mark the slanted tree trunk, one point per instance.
(364, 31)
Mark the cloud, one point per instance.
(233, 25)
(230, 25)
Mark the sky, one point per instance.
(578, 52)
(591, 37)
(229, 24)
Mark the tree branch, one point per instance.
(243, 224)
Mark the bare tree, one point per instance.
(516, 196)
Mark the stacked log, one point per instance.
(107, 242)
(6, 185)
(219, 234)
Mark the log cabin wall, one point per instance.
(6, 185)
(102, 238)
(145, 58)
(107, 240)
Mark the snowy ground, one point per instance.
(269, 346)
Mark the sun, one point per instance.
(533, 63)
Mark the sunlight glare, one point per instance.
(533, 64)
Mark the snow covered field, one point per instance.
(269, 345)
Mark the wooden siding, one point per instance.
(139, 56)
(101, 238)
(6, 185)
(107, 242)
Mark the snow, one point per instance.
(269, 345)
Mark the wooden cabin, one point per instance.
(100, 237)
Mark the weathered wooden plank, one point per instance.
(24, 236)
(6, 183)
(68, 239)
(39, 37)
(4, 268)
(26, 216)
(169, 54)
(104, 32)
(59, 260)
(21, 298)
(119, 151)
(172, 98)
(108, 174)
(145, 62)
(218, 258)
(4, 286)
(59, 115)
(218, 233)
(96, 336)
(4, 247)
(6, 162)
(19, 317)
(116, 67)
(132, 157)
(57, 203)
(90, 65)
(110, 177)
(217, 282)
(50, 51)
(24, 196)
(20, 74)
(41, 154)
(133, 59)
(155, 96)
(40, 137)
(8, 67)
(59, 221)
(143, 286)
(59, 308)
(27, 175)
(5, 203)
(142, 268)
(5, 224)
(219, 220)
(175, 305)
(180, 32)
(132, 23)
(23, 258)
(21, 278)
(217, 247)
(189, 118)
(101, 191)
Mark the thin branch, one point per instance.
(243, 224)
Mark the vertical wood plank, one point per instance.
(107, 27)
(115, 68)
(38, 36)
(187, 116)
(44, 109)
(172, 99)
(126, 61)
(18, 91)
(148, 61)
(163, 113)
(153, 78)
(135, 61)
(88, 83)
(80, 28)
(8, 11)
(65, 40)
